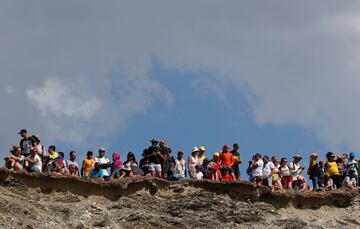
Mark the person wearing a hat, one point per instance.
(314, 172)
(14, 160)
(192, 162)
(103, 161)
(201, 155)
(26, 142)
(180, 166)
(155, 158)
(332, 169)
(295, 168)
(351, 164)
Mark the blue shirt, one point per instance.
(96, 173)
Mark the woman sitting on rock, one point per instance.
(14, 161)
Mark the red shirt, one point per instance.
(227, 177)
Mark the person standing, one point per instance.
(87, 164)
(192, 162)
(26, 143)
(180, 166)
(201, 155)
(155, 158)
(257, 170)
(237, 161)
(333, 170)
(314, 172)
(103, 162)
(352, 165)
(268, 171)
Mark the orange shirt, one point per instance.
(87, 165)
(227, 159)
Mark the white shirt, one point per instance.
(258, 171)
(103, 160)
(294, 172)
(268, 168)
(349, 181)
(180, 168)
(199, 176)
(38, 163)
(352, 166)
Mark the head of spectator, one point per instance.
(266, 159)
(257, 157)
(36, 139)
(101, 152)
(225, 148)
(352, 155)
(62, 155)
(154, 142)
(162, 143)
(216, 157)
(89, 155)
(195, 152)
(330, 156)
(73, 170)
(23, 133)
(72, 155)
(180, 155)
(236, 147)
(131, 157)
(206, 162)
(297, 158)
(283, 162)
(275, 160)
(202, 150)
(15, 150)
(344, 156)
(51, 150)
(321, 164)
(117, 163)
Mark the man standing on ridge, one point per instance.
(103, 162)
(237, 161)
(26, 143)
(155, 158)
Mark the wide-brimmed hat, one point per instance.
(298, 156)
(314, 155)
(202, 148)
(125, 167)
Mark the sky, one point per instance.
(277, 77)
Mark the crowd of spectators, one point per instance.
(157, 160)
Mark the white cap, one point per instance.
(102, 149)
(195, 149)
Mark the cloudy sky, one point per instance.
(276, 77)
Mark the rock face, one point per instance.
(39, 201)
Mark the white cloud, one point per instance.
(297, 62)
(55, 98)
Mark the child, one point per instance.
(87, 164)
(226, 175)
(328, 183)
(198, 174)
(214, 171)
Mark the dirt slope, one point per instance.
(165, 205)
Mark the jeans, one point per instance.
(315, 183)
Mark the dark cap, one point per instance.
(236, 145)
(22, 131)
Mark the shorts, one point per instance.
(34, 169)
(154, 167)
(236, 170)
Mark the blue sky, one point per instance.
(277, 78)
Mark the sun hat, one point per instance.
(298, 156)
(216, 154)
(315, 155)
(194, 149)
(202, 148)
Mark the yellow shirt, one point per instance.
(201, 159)
(53, 156)
(87, 165)
(332, 168)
